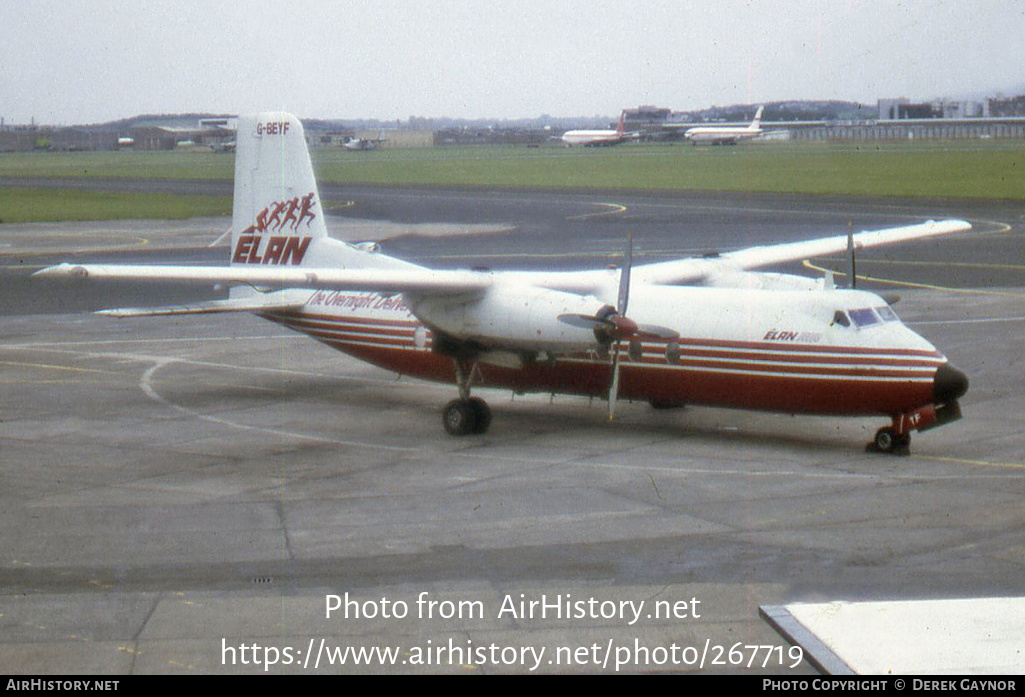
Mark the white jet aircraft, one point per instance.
(725, 135)
(596, 138)
(699, 331)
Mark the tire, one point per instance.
(885, 440)
(482, 415)
(662, 404)
(459, 417)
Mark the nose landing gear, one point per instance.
(896, 438)
(887, 440)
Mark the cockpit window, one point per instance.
(864, 317)
(887, 314)
(840, 317)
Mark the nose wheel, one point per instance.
(888, 441)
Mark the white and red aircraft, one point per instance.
(701, 331)
(725, 135)
(596, 138)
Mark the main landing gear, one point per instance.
(466, 415)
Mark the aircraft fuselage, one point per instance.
(824, 352)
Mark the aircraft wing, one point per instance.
(452, 282)
(695, 269)
(380, 280)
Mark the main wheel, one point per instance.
(463, 417)
(482, 414)
(459, 417)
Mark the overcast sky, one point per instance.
(86, 61)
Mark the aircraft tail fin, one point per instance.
(756, 124)
(277, 209)
(622, 123)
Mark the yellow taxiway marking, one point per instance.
(959, 264)
(909, 284)
(50, 366)
(972, 463)
(1001, 227)
(617, 209)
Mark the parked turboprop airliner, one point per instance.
(702, 331)
(725, 135)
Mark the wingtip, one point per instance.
(64, 269)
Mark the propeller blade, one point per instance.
(624, 275)
(585, 321)
(618, 327)
(622, 326)
(852, 278)
(614, 388)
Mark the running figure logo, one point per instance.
(285, 217)
(282, 214)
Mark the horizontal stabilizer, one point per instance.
(279, 300)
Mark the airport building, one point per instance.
(906, 129)
(893, 119)
(896, 120)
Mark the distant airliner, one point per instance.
(725, 135)
(595, 138)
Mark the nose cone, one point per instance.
(949, 384)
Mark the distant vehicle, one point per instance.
(355, 143)
(725, 135)
(596, 138)
(228, 146)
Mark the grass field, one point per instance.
(956, 169)
(19, 205)
(960, 170)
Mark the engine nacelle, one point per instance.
(518, 318)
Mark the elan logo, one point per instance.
(255, 246)
(281, 214)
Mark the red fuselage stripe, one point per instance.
(756, 375)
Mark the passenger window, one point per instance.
(840, 317)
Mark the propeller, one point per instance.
(611, 325)
(852, 278)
